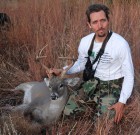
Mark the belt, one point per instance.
(120, 80)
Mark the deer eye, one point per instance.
(61, 85)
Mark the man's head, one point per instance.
(98, 19)
(96, 8)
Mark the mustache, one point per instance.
(101, 29)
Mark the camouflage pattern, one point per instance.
(107, 94)
(95, 93)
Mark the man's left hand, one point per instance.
(119, 109)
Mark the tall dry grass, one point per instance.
(59, 25)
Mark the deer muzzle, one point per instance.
(54, 96)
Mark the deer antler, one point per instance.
(69, 66)
(40, 56)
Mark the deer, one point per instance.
(44, 101)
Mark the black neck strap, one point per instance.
(101, 51)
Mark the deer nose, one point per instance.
(54, 96)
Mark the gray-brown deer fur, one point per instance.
(44, 101)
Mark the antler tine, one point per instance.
(40, 52)
(39, 56)
(68, 58)
(69, 66)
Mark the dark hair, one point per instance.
(97, 8)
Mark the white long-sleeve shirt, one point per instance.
(115, 63)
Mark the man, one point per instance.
(115, 68)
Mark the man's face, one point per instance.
(99, 23)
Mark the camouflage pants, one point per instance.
(101, 94)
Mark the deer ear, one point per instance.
(72, 81)
(46, 80)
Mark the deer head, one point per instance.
(57, 84)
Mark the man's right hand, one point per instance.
(119, 109)
(55, 71)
